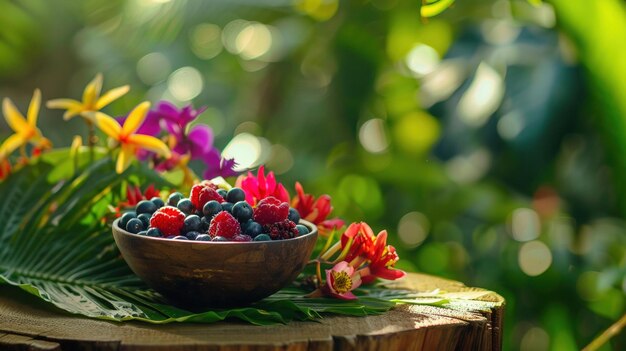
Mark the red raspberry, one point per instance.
(271, 210)
(242, 238)
(224, 224)
(169, 220)
(203, 193)
(281, 230)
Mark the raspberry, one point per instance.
(242, 238)
(281, 230)
(224, 224)
(203, 193)
(271, 210)
(169, 220)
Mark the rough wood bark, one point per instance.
(28, 323)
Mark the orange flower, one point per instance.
(315, 210)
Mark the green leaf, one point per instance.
(434, 7)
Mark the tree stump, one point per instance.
(28, 323)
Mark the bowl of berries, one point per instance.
(214, 249)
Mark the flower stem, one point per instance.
(91, 139)
(606, 335)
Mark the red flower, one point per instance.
(382, 259)
(315, 210)
(134, 195)
(5, 168)
(259, 187)
(359, 238)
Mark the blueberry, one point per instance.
(158, 201)
(185, 205)
(227, 206)
(203, 237)
(154, 232)
(192, 224)
(125, 218)
(253, 229)
(294, 216)
(143, 233)
(145, 219)
(302, 229)
(222, 193)
(219, 238)
(206, 223)
(180, 237)
(262, 237)
(242, 211)
(146, 206)
(173, 199)
(211, 208)
(235, 195)
(193, 235)
(134, 226)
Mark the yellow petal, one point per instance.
(111, 96)
(14, 118)
(135, 118)
(12, 143)
(107, 124)
(149, 143)
(92, 91)
(69, 114)
(65, 104)
(127, 153)
(33, 108)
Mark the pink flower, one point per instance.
(341, 280)
(259, 187)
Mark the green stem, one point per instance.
(91, 140)
(606, 335)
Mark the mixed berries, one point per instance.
(214, 214)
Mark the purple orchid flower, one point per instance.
(217, 166)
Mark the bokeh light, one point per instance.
(534, 258)
(185, 83)
(413, 229)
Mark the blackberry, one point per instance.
(281, 230)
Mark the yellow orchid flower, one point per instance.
(92, 100)
(25, 129)
(125, 136)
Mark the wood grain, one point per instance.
(403, 328)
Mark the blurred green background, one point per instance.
(490, 140)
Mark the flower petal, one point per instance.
(106, 124)
(14, 118)
(65, 104)
(9, 145)
(111, 96)
(124, 159)
(201, 138)
(92, 90)
(33, 108)
(135, 118)
(149, 143)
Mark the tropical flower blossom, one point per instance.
(126, 137)
(25, 129)
(92, 100)
(315, 210)
(382, 259)
(134, 195)
(5, 168)
(218, 166)
(259, 187)
(341, 280)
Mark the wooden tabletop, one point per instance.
(27, 323)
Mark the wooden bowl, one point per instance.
(196, 274)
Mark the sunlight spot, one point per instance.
(534, 258)
(153, 68)
(205, 40)
(253, 41)
(510, 125)
(280, 159)
(465, 169)
(422, 59)
(441, 82)
(535, 339)
(413, 229)
(372, 136)
(483, 96)
(185, 83)
(525, 224)
(245, 148)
